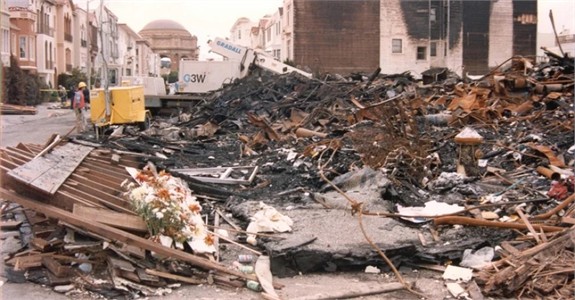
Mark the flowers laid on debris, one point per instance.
(171, 212)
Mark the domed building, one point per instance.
(170, 39)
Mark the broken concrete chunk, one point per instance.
(63, 288)
(456, 290)
(457, 273)
(446, 181)
(372, 270)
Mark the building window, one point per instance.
(432, 15)
(396, 46)
(239, 34)
(433, 49)
(269, 34)
(22, 47)
(421, 55)
(112, 76)
(5, 41)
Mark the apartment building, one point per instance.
(241, 32)
(23, 33)
(45, 41)
(81, 35)
(64, 36)
(108, 57)
(398, 35)
(468, 37)
(273, 35)
(147, 62)
(5, 31)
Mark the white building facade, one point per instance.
(5, 38)
(45, 41)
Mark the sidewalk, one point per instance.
(35, 128)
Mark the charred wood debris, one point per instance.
(479, 168)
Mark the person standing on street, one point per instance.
(78, 104)
(70, 96)
(62, 95)
(86, 92)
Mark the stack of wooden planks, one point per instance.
(81, 224)
(13, 109)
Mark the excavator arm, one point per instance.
(247, 55)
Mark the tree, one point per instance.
(173, 77)
(14, 83)
(72, 80)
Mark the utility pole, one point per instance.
(104, 61)
(89, 38)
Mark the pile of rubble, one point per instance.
(469, 176)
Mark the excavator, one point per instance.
(198, 78)
(132, 102)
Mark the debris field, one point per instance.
(276, 175)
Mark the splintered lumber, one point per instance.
(55, 267)
(6, 225)
(112, 218)
(121, 264)
(539, 272)
(120, 235)
(175, 277)
(47, 173)
(26, 262)
(455, 220)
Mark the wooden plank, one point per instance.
(222, 173)
(53, 280)
(98, 177)
(49, 172)
(26, 262)
(121, 264)
(144, 276)
(175, 277)
(10, 224)
(112, 218)
(112, 233)
(25, 148)
(107, 197)
(133, 250)
(55, 267)
(96, 201)
(114, 172)
(39, 243)
(101, 173)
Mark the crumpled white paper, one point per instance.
(267, 219)
(431, 209)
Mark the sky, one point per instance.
(208, 19)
